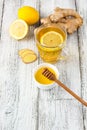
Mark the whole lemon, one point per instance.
(28, 14)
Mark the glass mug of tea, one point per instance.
(50, 40)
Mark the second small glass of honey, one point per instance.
(50, 40)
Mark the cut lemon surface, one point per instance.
(51, 39)
(18, 29)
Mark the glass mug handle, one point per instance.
(64, 54)
(35, 31)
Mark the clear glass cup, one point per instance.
(48, 53)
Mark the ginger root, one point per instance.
(27, 55)
(67, 18)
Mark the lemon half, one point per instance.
(51, 39)
(18, 29)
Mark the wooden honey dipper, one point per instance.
(51, 76)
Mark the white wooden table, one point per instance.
(22, 105)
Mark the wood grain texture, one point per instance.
(19, 97)
(70, 75)
(63, 115)
(1, 14)
(82, 40)
(22, 105)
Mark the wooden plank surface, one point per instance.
(19, 97)
(1, 14)
(82, 40)
(50, 118)
(63, 115)
(22, 105)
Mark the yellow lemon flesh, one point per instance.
(28, 14)
(18, 29)
(51, 39)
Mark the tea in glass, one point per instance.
(50, 40)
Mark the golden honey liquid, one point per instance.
(47, 53)
(41, 78)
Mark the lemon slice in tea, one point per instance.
(51, 39)
(18, 29)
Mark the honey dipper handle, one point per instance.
(71, 92)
